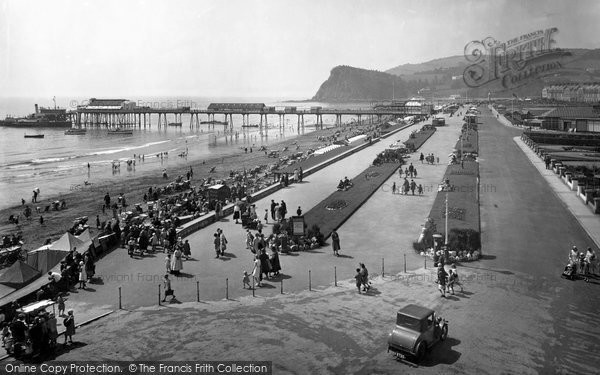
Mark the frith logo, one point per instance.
(513, 62)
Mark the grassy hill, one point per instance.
(436, 76)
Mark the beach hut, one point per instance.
(19, 274)
(218, 192)
(67, 242)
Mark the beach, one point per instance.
(86, 200)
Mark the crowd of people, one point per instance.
(581, 264)
(36, 334)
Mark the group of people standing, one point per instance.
(447, 280)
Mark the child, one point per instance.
(266, 216)
(420, 189)
(61, 305)
(168, 263)
(246, 280)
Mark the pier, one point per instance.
(120, 113)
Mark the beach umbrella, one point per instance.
(19, 274)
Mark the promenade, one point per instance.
(401, 217)
(139, 278)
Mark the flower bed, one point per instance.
(463, 211)
(417, 138)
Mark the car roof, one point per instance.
(415, 311)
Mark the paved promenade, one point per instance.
(139, 278)
(588, 220)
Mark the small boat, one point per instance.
(119, 131)
(174, 124)
(34, 136)
(250, 126)
(75, 131)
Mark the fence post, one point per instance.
(382, 267)
(227, 288)
(309, 281)
(120, 307)
(281, 286)
(158, 294)
(253, 287)
(404, 263)
(425, 262)
(198, 291)
(335, 275)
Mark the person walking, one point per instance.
(187, 250)
(394, 188)
(82, 275)
(422, 157)
(223, 240)
(168, 290)
(413, 186)
(265, 267)
(273, 206)
(335, 243)
(61, 305)
(69, 323)
(236, 212)
(256, 271)
(441, 278)
(301, 174)
(365, 277)
(299, 211)
(217, 243)
(358, 278)
(168, 263)
(274, 261)
(283, 210)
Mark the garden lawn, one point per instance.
(365, 184)
(463, 201)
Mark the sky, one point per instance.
(250, 48)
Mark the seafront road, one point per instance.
(516, 315)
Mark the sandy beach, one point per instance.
(85, 200)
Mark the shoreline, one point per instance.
(87, 200)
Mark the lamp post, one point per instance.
(446, 230)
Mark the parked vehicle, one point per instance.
(417, 330)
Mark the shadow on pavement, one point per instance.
(504, 272)
(345, 256)
(442, 353)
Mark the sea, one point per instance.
(58, 163)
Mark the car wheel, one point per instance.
(421, 351)
(444, 334)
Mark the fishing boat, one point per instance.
(119, 131)
(75, 131)
(34, 136)
(174, 124)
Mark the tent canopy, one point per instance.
(18, 274)
(45, 260)
(67, 242)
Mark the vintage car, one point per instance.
(417, 330)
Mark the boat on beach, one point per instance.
(119, 131)
(34, 136)
(174, 124)
(75, 131)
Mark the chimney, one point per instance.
(36, 109)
